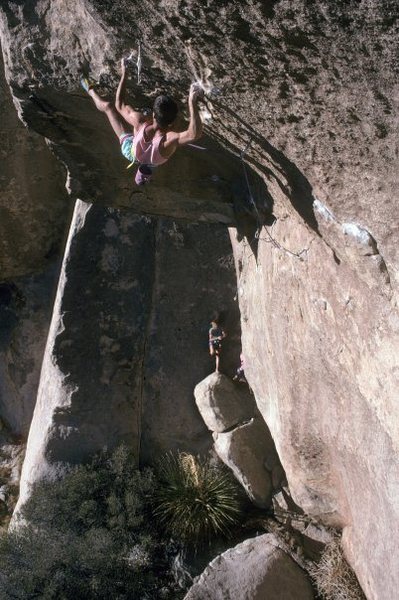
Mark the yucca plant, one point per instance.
(196, 500)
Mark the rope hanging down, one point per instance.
(271, 239)
(129, 60)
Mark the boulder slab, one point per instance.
(254, 570)
(221, 403)
(250, 453)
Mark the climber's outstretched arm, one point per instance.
(130, 115)
(194, 130)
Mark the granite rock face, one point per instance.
(117, 330)
(250, 453)
(184, 296)
(93, 359)
(254, 570)
(25, 311)
(313, 87)
(34, 205)
(320, 337)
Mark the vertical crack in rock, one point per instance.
(151, 317)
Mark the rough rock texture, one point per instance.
(314, 86)
(254, 570)
(242, 439)
(34, 205)
(221, 403)
(11, 457)
(320, 337)
(326, 76)
(93, 359)
(73, 36)
(184, 296)
(25, 310)
(250, 453)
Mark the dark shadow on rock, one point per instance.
(297, 188)
(253, 206)
(229, 320)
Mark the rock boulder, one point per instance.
(221, 403)
(256, 569)
(250, 453)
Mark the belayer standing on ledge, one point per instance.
(153, 140)
(216, 335)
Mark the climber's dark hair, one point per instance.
(165, 110)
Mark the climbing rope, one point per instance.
(129, 60)
(270, 239)
(139, 63)
(251, 198)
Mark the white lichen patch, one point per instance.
(323, 210)
(361, 235)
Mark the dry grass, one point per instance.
(333, 577)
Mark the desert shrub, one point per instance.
(109, 492)
(88, 535)
(333, 577)
(196, 500)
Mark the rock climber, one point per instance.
(153, 139)
(216, 335)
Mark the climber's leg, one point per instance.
(110, 111)
(133, 117)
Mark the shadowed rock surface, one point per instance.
(109, 369)
(25, 310)
(34, 208)
(314, 87)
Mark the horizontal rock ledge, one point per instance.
(195, 185)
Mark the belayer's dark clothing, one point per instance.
(215, 337)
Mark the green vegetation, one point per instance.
(95, 534)
(333, 577)
(88, 535)
(195, 500)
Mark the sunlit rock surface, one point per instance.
(254, 570)
(242, 438)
